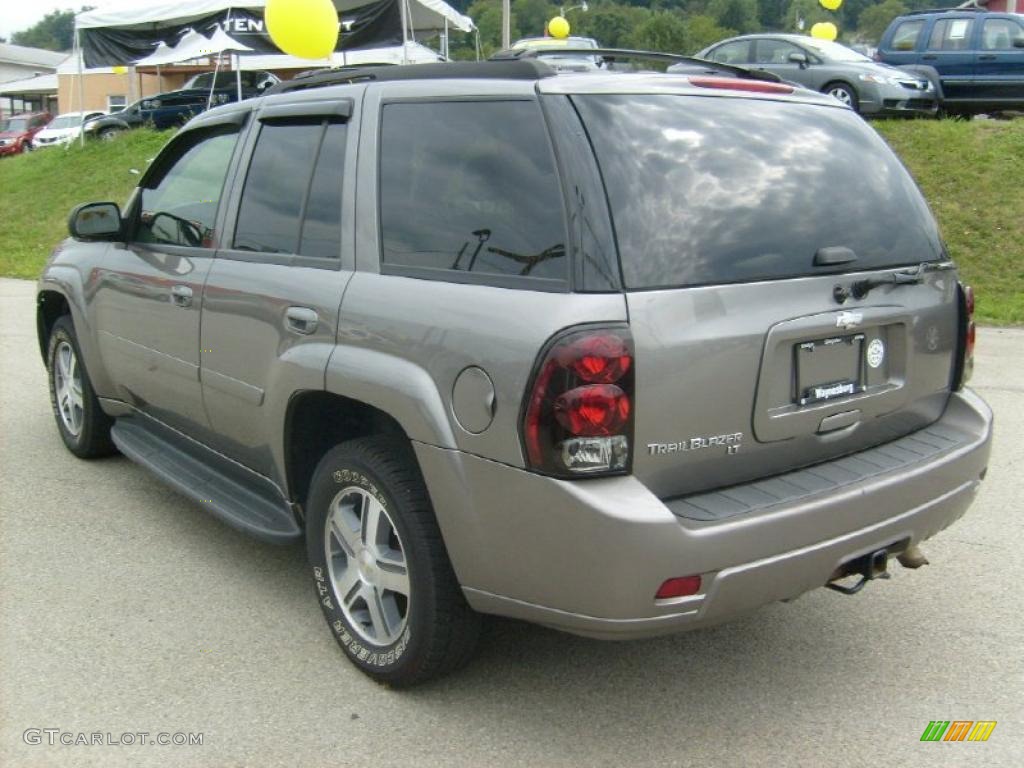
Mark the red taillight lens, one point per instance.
(680, 586)
(594, 410)
(578, 411)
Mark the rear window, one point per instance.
(708, 190)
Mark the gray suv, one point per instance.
(619, 354)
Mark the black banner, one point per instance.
(374, 25)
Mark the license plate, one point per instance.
(828, 369)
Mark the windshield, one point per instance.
(708, 190)
(17, 124)
(65, 121)
(532, 43)
(833, 51)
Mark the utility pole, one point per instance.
(506, 24)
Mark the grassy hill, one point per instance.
(969, 172)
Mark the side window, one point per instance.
(321, 227)
(774, 51)
(179, 206)
(950, 35)
(470, 187)
(732, 53)
(1001, 35)
(906, 34)
(283, 210)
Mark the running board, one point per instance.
(241, 499)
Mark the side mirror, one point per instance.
(798, 58)
(1018, 42)
(95, 221)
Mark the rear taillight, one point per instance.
(731, 84)
(578, 412)
(965, 360)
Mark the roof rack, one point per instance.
(612, 55)
(471, 70)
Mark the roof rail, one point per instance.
(956, 9)
(472, 70)
(611, 55)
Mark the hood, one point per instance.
(57, 133)
(884, 70)
(13, 134)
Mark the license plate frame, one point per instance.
(829, 368)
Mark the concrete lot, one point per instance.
(126, 608)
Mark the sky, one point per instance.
(16, 15)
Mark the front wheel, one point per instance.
(109, 134)
(380, 568)
(83, 426)
(843, 93)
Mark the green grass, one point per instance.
(38, 190)
(969, 171)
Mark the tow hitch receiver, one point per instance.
(869, 567)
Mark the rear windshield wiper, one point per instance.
(911, 276)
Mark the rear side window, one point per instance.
(291, 202)
(904, 38)
(707, 190)
(950, 35)
(470, 187)
(732, 53)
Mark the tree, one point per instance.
(740, 15)
(875, 19)
(611, 25)
(702, 31)
(661, 31)
(532, 16)
(55, 32)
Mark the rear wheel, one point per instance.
(109, 134)
(844, 93)
(83, 426)
(380, 567)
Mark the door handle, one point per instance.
(987, 57)
(929, 57)
(301, 320)
(181, 296)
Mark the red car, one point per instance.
(16, 132)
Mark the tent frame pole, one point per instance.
(81, 86)
(404, 8)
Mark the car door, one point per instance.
(270, 309)
(147, 291)
(949, 49)
(999, 63)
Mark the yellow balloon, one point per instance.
(832, 5)
(558, 28)
(825, 30)
(307, 29)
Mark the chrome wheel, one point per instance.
(842, 94)
(67, 384)
(366, 562)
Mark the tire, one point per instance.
(844, 93)
(109, 134)
(83, 426)
(404, 639)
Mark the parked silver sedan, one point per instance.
(854, 79)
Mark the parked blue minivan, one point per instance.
(974, 57)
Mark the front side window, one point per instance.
(470, 187)
(1001, 35)
(179, 206)
(906, 34)
(775, 51)
(950, 35)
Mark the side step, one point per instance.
(242, 499)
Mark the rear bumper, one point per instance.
(588, 556)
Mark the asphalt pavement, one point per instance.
(126, 609)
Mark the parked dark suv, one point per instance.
(592, 350)
(975, 57)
